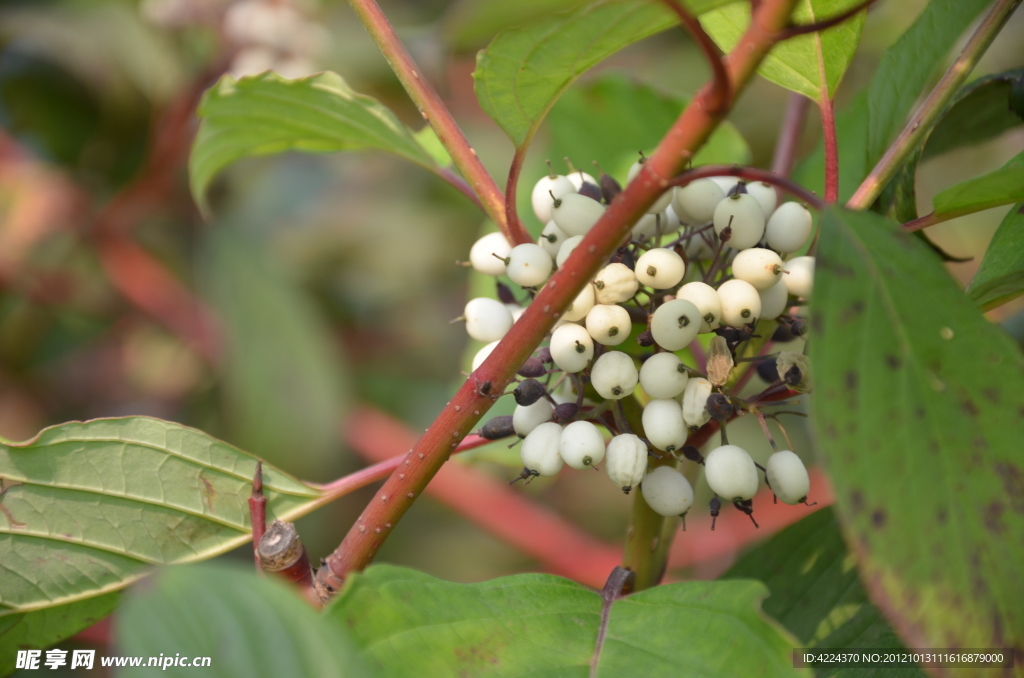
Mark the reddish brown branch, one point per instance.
(511, 186)
(749, 174)
(828, 128)
(825, 24)
(789, 136)
(721, 90)
(257, 511)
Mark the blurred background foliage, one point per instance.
(332, 277)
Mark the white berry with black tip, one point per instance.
(760, 267)
(525, 418)
(614, 284)
(614, 376)
(626, 461)
(675, 324)
(572, 347)
(663, 375)
(695, 402)
(540, 450)
(787, 476)
(660, 268)
(741, 304)
(731, 473)
(663, 424)
(707, 301)
(551, 239)
(609, 324)
(695, 202)
(482, 354)
(566, 249)
(667, 492)
(663, 200)
(487, 319)
(488, 254)
(742, 214)
(799, 276)
(576, 214)
(788, 227)
(581, 305)
(581, 445)
(541, 197)
(774, 300)
(529, 265)
(765, 195)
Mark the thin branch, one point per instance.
(921, 123)
(438, 116)
(430, 452)
(789, 136)
(828, 129)
(825, 24)
(749, 174)
(721, 90)
(460, 185)
(257, 512)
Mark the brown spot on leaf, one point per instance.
(851, 380)
(992, 393)
(969, 408)
(994, 518)
(1013, 483)
(919, 413)
(942, 516)
(856, 502)
(843, 271)
(892, 361)
(879, 518)
(209, 494)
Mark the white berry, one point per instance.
(726, 183)
(667, 491)
(660, 268)
(581, 305)
(482, 254)
(663, 200)
(774, 300)
(571, 347)
(765, 195)
(741, 304)
(650, 225)
(529, 265)
(487, 319)
(525, 418)
(614, 284)
(695, 202)
(788, 228)
(540, 450)
(576, 214)
(566, 249)
(663, 375)
(541, 198)
(760, 267)
(743, 215)
(581, 445)
(663, 424)
(787, 476)
(579, 177)
(731, 473)
(614, 375)
(706, 299)
(799, 276)
(695, 401)
(482, 354)
(609, 324)
(675, 324)
(551, 239)
(626, 461)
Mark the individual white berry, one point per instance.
(566, 249)
(626, 461)
(487, 319)
(660, 268)
(482, 254)
(540, 450)
(760, 267)
(579, 177)
(706, 299)
(663, 375)
(799, 276)
(765, 195)
(609, 324)
(551, 239)
(672, 222)
(482, 354)
(743, 215)
(614, 284)
(663, 424)
(667, 491)
(699, 249)
(663, 200)
(675, 324)
(731, 473)
(576, 214)
(581, 445)
(774, 300)
(726, 183)
(695, 402)
(650, 225)
(529, 265)
(695, 202)
(614, 375)
(525, 418)
(571, 347)
(741, 304)
(788, 228)
(541, 199)
(787, 476)
(581, 305)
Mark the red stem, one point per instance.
(511, 185)
(749, 174)
(825, 24)
(789, 135)
(257, 512)
(828, 126)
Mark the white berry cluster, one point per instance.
(711, 257)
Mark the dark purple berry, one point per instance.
(528, 392)
(565, 412)
(720, 407)
(590, 190)
(533, 367)
(498, 427)
(768, 370)
(544, 355)
(609, 187)
(505, 295)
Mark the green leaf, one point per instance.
(247, 625)
(469, 24)
(410, 624)
(799, 64)
(1001, 275)
(980, 112)
(267, 114)
(89, 507)
(817, 595)
(284, 383)
(918, 409)
(1002, 187)
(524, 70)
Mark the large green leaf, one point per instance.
(1002, 187)
(979, 112)
(524, 70)
(817, 595)
(919, 410)
(90, 507)
(813, 64)
(265, 114)
(248, 626)
(410, 624)
(1001, 275)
